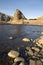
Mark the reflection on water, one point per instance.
(20, 31)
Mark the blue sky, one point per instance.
(30, 8)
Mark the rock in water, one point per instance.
(18, 59)
(26, 40)
(11, 38)
(13, 54)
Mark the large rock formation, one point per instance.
(19, 15)
(18, 18)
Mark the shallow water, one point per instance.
(19, 32)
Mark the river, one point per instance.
(18, 32)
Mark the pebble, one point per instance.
(13, 54)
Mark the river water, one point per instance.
(18, 32)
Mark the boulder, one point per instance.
(13, 54)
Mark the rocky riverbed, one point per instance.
(24, 55)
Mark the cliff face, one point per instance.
(4, 17)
